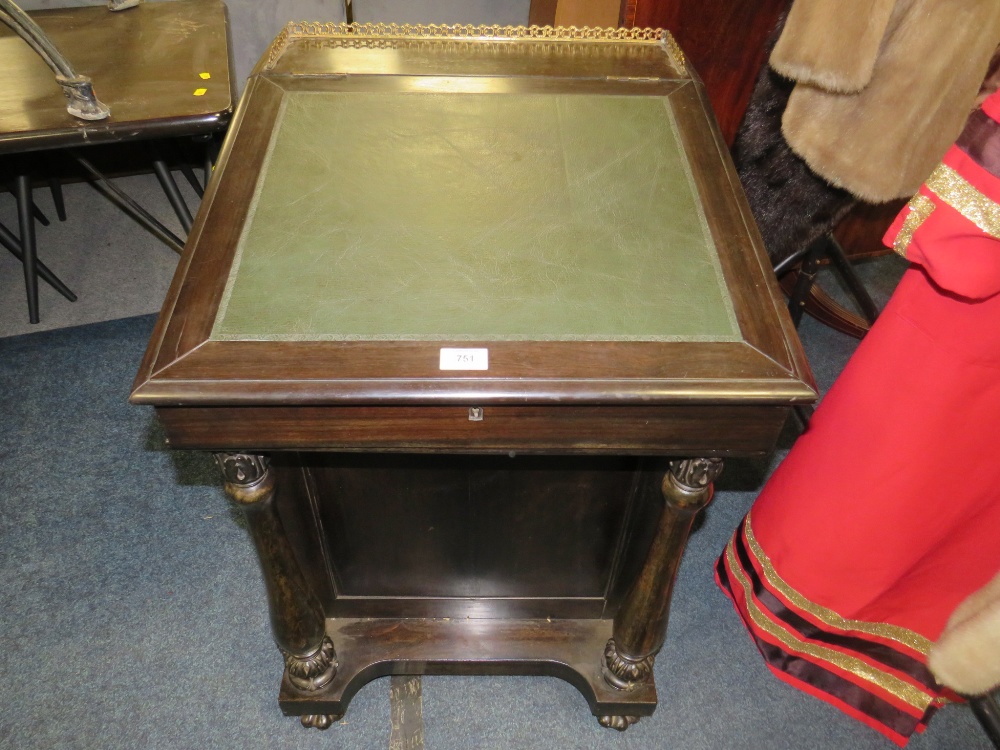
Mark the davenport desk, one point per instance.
(470, 317)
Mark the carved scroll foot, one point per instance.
(319, 721)
(314, 671)
(621, 723)
(623, 672)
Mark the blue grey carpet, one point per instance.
(133, 615)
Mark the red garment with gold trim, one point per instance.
(886, 513)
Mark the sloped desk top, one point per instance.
(564, 202)
(465, 216)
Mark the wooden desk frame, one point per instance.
(265, 407)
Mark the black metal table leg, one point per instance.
(26, 223)
(124, 201)
(40, 217)
(209, 150)
(55, 187)
(188, 173)
(208, 163)
(169, 186)
(9, 241)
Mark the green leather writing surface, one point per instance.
(475, 216)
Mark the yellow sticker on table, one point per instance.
(200, 92)
(204, 76)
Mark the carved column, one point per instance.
(297, 620)
(640, 626)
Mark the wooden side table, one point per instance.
(470, 317)
(164, 70)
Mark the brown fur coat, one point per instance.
(883, 86)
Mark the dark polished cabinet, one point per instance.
(470, 317)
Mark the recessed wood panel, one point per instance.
(407, 526)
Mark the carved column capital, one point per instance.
(694, 474)
(688, 484)
(247, 476)
(242, 469)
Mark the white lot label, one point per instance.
(465, 359)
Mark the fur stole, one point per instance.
(883, 86)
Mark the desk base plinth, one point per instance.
(377, 647)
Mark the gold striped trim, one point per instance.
(921, 207)
(828, 617)
(903, 690)
(958, 193)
